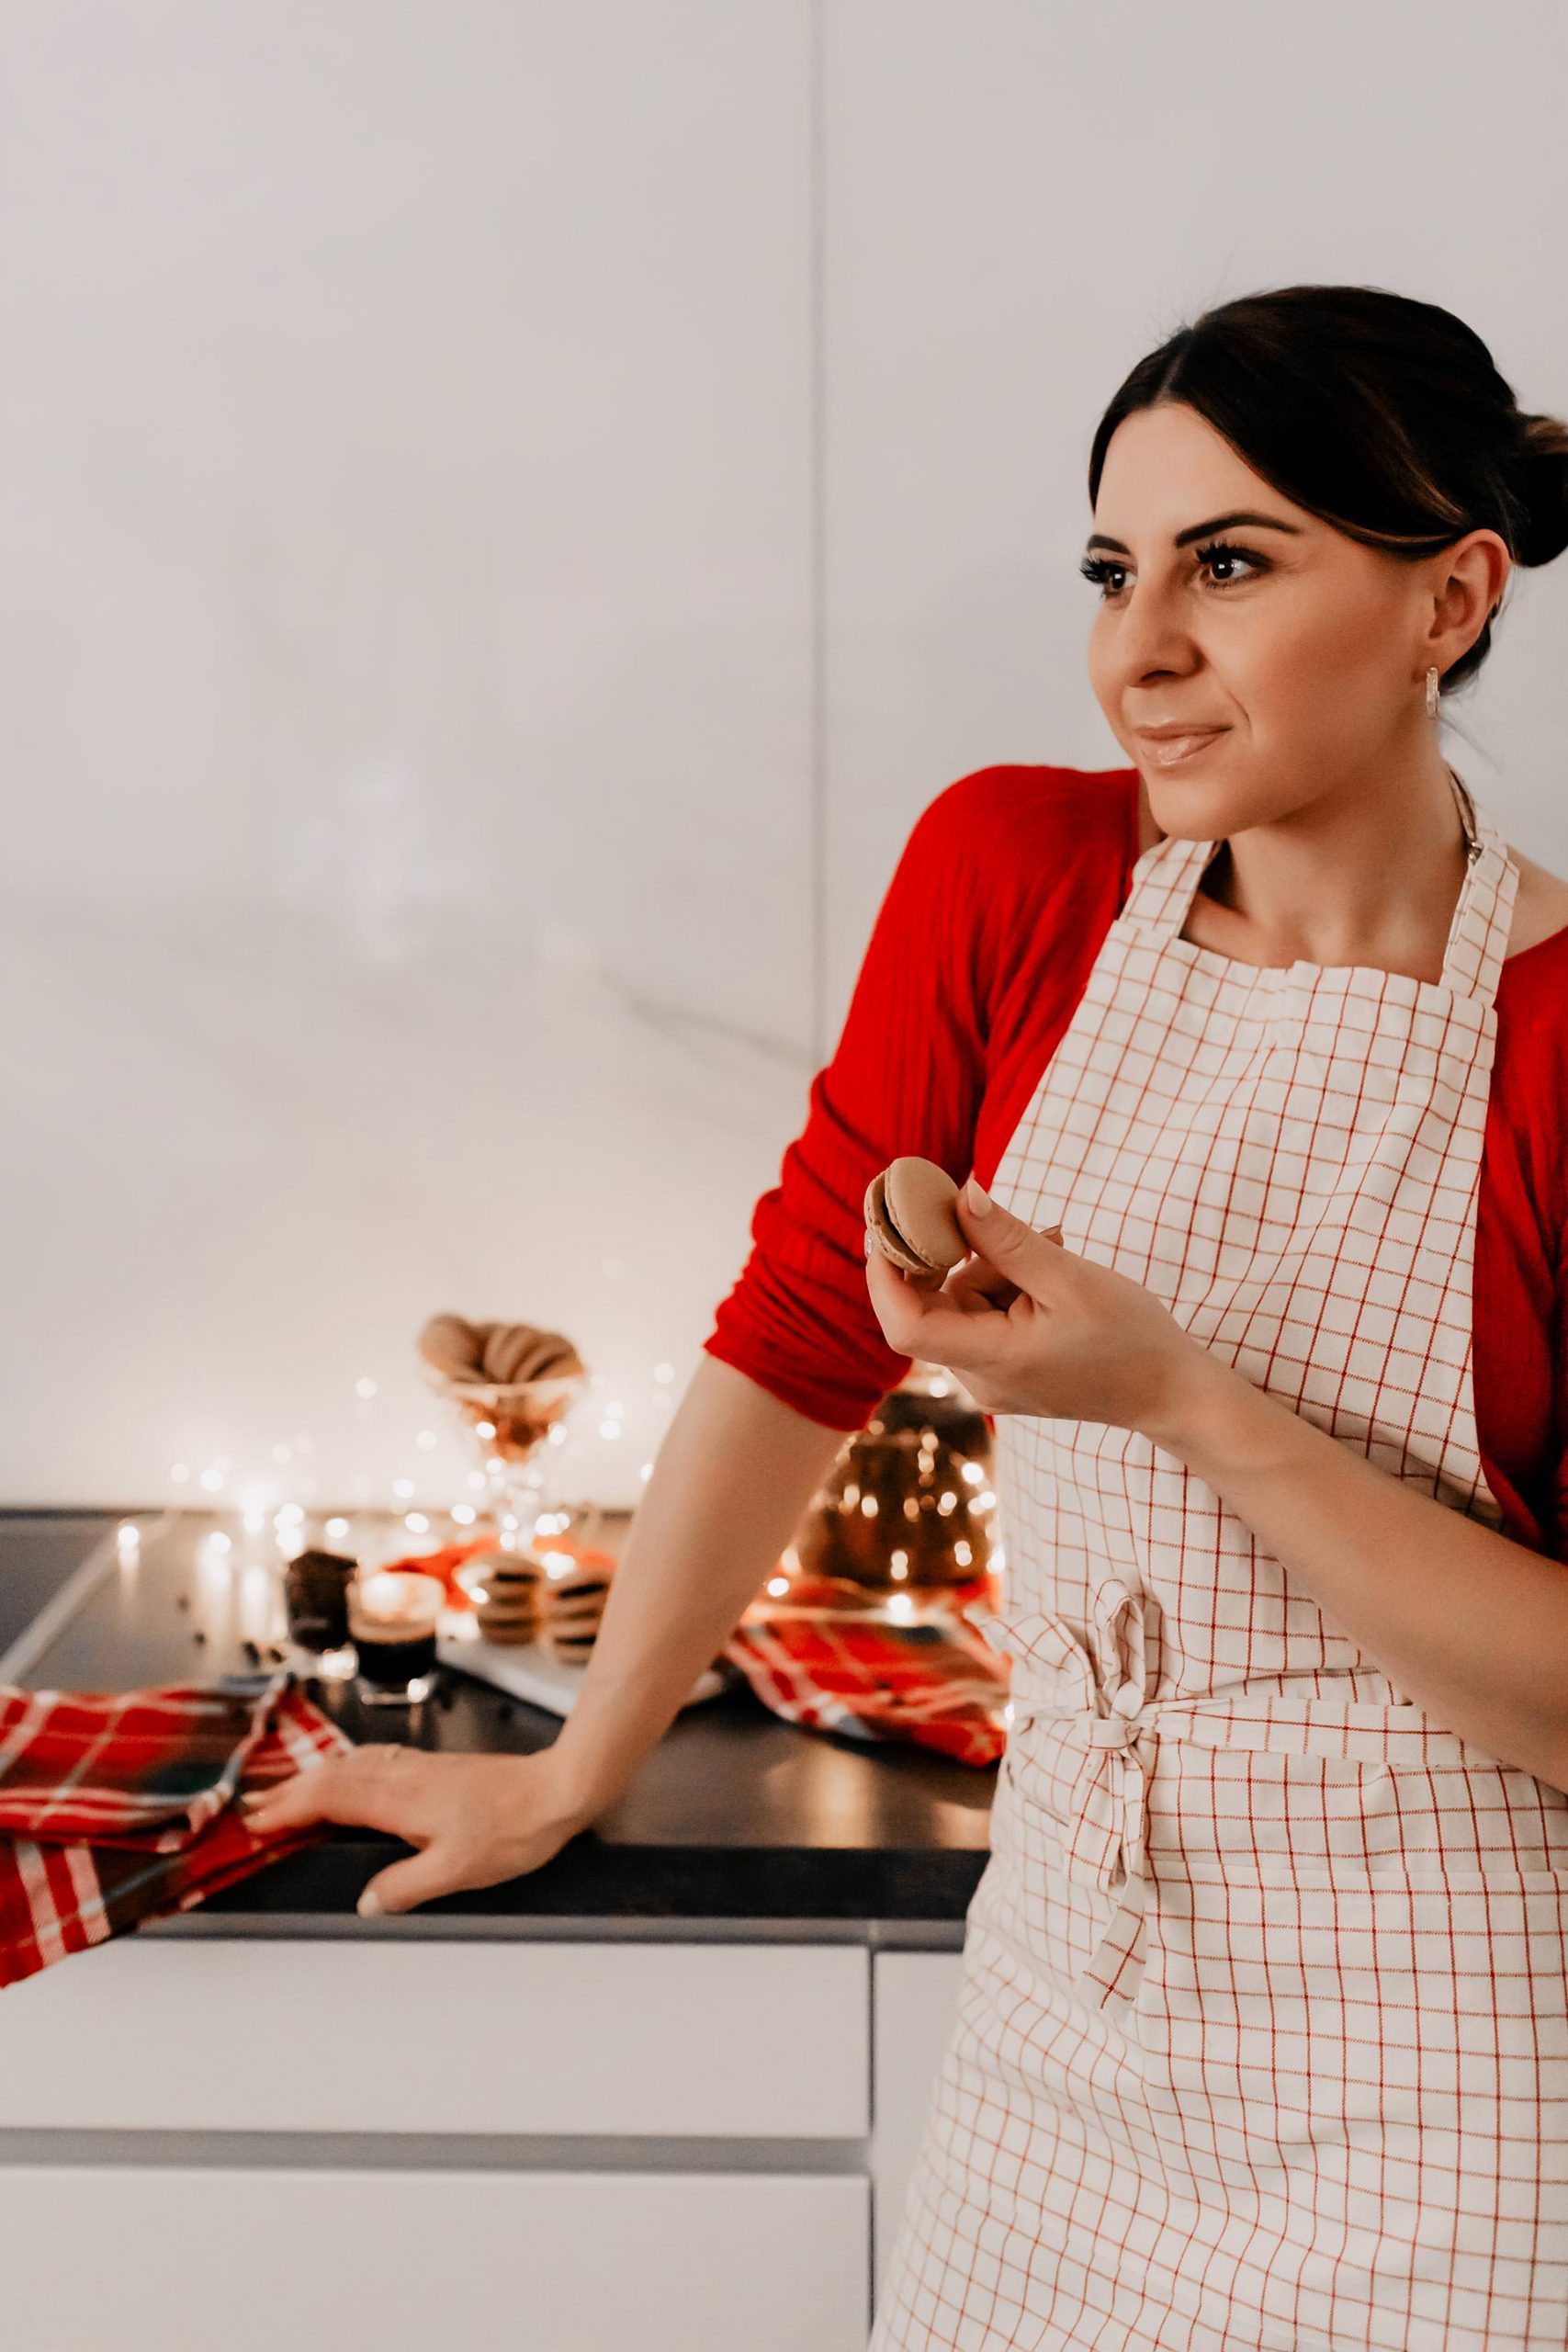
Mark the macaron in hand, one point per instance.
(909, 1217)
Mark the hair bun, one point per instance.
(1542, 487)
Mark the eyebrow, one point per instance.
(1201, 531)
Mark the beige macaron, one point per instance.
(909, 1215)
(451, 1345)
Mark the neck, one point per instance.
(1369, 875)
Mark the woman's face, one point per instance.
(1306, 650)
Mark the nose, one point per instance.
(1150, 639)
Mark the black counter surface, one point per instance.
(734, 1816)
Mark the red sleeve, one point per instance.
(979, 950)
(1521, 1261)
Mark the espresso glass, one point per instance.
(392, 1619)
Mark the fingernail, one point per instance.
(978, 1197)
(369, 1905)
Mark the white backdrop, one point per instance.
(508, 510)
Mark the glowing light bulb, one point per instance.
(426, 1440)
(485, 1430)
(664, 1373)
(900, 1605)
(337, 1529)
(179, 1472)
(217, 1542)
(778, 1586)
(463, 1514)
(417, 1524)
(366, 1388)
(212, 1481)
(402, 1488)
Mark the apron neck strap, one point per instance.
(1166, 879)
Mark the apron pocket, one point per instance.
(1376, 2073)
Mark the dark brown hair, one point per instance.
(1384, 417)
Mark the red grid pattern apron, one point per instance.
(1262, 2038)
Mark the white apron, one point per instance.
(1262, 2039)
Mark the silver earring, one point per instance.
(1431, 694)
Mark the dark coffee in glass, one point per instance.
(392, 1620)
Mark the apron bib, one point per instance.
(1263, 2028)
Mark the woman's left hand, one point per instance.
(1031, 1328)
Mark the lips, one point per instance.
(1179, 730)
(1169, 744)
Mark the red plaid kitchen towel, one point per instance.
(934, 1678)
(118, 1807)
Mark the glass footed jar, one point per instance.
(511, 1427)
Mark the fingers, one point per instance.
(293, 1804)
(352, 1789)
(977, 1285)
(400, 1885)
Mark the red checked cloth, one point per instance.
(934, 1679)
(119, 1807)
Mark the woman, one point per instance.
(1263, 2032)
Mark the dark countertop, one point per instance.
(736, 1816)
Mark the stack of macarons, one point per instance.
(516, 1599)
(910, 1218)
(508, 1591)
(574, 1609)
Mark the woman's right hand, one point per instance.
(475, 1819)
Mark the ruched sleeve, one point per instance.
(978, 951)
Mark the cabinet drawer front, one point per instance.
(554, 2262)
(917, 2014)
(757, 2041)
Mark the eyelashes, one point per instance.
(1098, 568)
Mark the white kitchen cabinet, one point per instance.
(916, 2009)
(760, 2040)
(139, 2259)
(584, 2146)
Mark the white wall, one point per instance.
(435, 445)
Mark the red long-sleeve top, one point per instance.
(980, 951)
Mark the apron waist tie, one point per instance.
(1105, 1841)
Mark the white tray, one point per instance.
(527, 1670)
